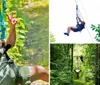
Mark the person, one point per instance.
(79, 27)
(81, 58)
(22, 73)
(77, 71)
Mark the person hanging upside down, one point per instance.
(79, 27)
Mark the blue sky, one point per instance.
(62, 13)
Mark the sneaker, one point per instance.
(66, 34)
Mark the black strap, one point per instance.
(3, 43)
(81, 58)
(8, 46)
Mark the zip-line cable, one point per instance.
(88, 22)
(87, 28)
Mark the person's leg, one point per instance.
(69, 29)
(38, 72)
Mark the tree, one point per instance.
(61, 64)
(97, 66)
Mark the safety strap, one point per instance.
(6, 49)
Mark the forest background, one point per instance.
(65, 65)
(32, 31)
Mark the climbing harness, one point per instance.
(2, 24)
(10, 71)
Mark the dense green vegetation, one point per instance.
(66, 61)
(52, 38)
(61, 70)
(32, 31)
(97, 30)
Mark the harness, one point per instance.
(4, 55)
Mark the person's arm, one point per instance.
(12, 33)
(77, 20)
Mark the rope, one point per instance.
(2, 24)
(88, 23)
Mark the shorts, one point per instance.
(76, 30)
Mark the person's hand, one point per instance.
(11, 19)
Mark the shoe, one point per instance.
(66, 34)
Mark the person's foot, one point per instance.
(66, 34)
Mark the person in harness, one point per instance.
(11, 74)
(79, 27)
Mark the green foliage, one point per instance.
(52, 38)
(32, 31)
(97, 30)
(37, 37)
(61, 64)
(90, 83)
(15, 53)
(79, 82)
(89, 76)
(60, 77)
(88, 68)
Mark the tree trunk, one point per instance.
(72, 57)
(97, 54)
